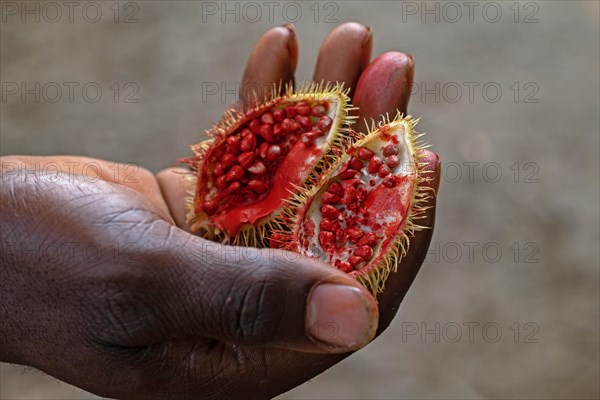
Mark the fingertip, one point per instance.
(341, 317)
(176, 186)
(385, 86)
(344, 54)
(273, 61)
(340, 314)
(174, 177)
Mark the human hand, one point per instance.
(102, 290)
(155, 312)
(378, 87)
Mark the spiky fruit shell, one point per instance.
(377, 211)
(249, 219)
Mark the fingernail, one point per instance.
(341, 316)
(368, 36)
(291, 28)
(292, 47)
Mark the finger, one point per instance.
(344, 54)
(263, 297)
(384, 87)
(273, 61)
(176, 188)
(399, 282)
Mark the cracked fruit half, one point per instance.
(255, 160)
(360, 215)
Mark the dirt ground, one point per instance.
(507, 302)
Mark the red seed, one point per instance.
(374, 165)
(349, 174)
(354, 234)
(304, 121)
(296, 127)
(390, 150)
(228, 160)
(365, 154)
(277, 130)
(328, 225)
(326, 239)
(355, 163)
(257, 186)
(246, 132)
(384, 171)
(319, 110)
(246, 159)
(392, 161)
(389, 181)
(350, 197)
(258, 168)
(279, 114)
(221, 182)
(329, 211)
(303, 108)
(273, 152)
(267, 118)
(233, 145)
(263, 150)
(235, 173)
(248, 143)
(351, 183)
(330, 198)
(232, 188)
(292, 140)
(255, 125)
(290, 126)
(219, 170)
(365, 252)
(336, 189)
(266, 132)
(356, 261)
(308, 138)
(324, 123)
(290, 112)
(345, 266)
(210, 206)
(369, 239)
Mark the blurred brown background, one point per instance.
(516, 317)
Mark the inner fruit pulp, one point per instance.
(251, 170)
(354, 218)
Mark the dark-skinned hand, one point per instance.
(104, 288)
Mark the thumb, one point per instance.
(265, 297)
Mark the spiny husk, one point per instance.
(257, 235)
(374, 275)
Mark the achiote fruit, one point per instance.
(360, 216)
(289, 173)
(255, 160)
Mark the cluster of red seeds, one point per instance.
(343, 219)
(244, 162)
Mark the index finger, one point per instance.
(272, 61)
